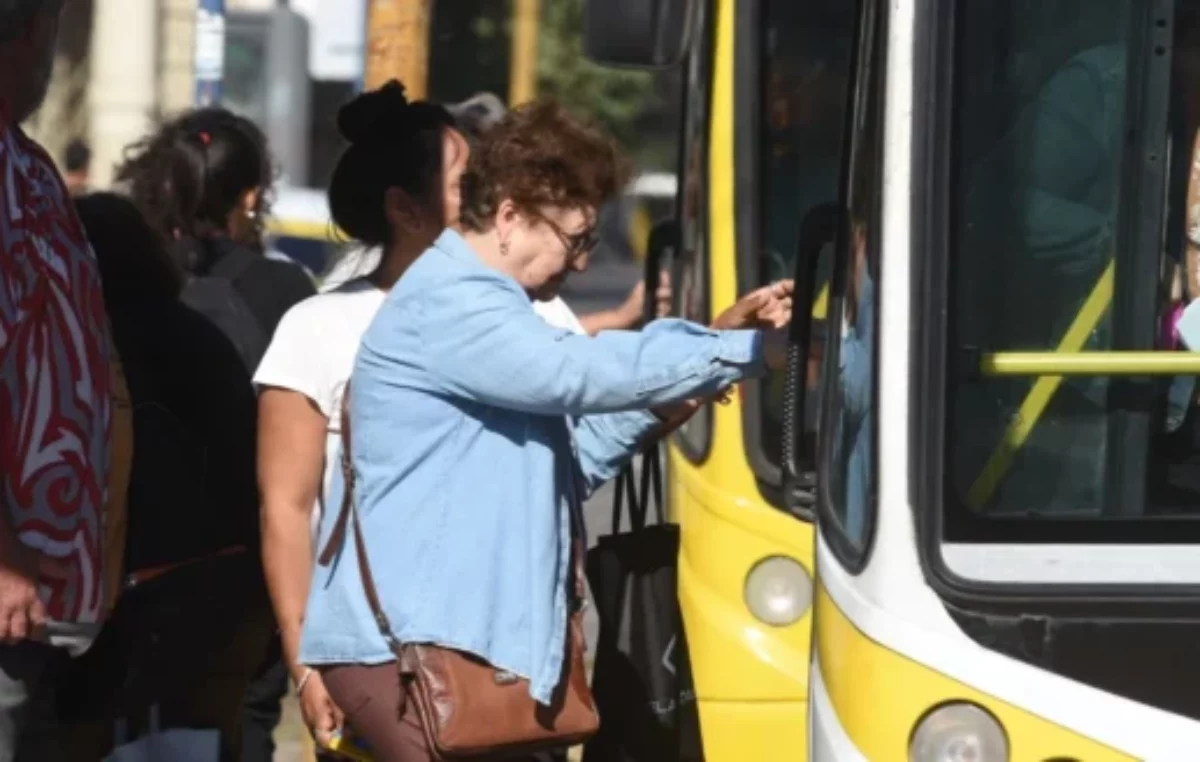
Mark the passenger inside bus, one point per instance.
(852, 433)
(1064, 243)
(806, 75)
(1175, 475)
(1037, 231)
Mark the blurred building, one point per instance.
(124, 65)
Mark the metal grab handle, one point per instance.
(661, 245)
(818, 228)
(1128, 363)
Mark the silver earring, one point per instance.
(504, 248)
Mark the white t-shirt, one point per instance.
(314, 346)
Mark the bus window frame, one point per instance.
(751, 136)
(694, 439)
(933, 153)
(867, 13)
(750, 47)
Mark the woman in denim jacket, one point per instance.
(477, 429)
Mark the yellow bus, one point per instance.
(764, 90)
(1008, 456)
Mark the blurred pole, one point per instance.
(124, 80)
(398, 45)
(210, 51)
(522, 75)
(176, 57)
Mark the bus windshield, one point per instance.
(1074, 227)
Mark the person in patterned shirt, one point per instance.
(55, 403)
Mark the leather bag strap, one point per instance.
(347, 513)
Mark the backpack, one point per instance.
(215, 296)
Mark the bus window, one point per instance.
(1072, 138)
(804, 70)
(848, 487)
(691, 265)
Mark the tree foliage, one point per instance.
(469, 49)
(617, 98)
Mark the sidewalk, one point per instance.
(291, 738)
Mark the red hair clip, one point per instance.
(205, 138)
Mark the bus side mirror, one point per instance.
(639, 34)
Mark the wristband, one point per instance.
(303, 681)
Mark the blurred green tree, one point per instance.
(469, 49)
(617, 98)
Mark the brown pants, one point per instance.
(378, 709)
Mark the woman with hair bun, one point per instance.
(394, 188)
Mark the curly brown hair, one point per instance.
(539, 156)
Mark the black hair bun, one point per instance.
(385, 115)
(374, 113)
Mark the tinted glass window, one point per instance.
(1073, 136)
(805, 72)
(690, 269)
(848, 486)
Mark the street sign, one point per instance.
(210, 51)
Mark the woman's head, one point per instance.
(134, 265)
(397, 182)
(534, 186)
(204, 174)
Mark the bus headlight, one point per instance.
(958, 732)
(778, 591)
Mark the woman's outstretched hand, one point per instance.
(768, 309)
(764, 308)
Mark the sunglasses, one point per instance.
(576, 244)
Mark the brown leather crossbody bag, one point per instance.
(469, 708)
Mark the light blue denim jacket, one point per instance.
(476, 430)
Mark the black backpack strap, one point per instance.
(232, 262)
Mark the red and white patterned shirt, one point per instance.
(55, 405)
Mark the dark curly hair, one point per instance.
(394, 143)
(188, 177)
(539, 156)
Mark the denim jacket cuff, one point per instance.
(743, 348)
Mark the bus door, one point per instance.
(792, 103)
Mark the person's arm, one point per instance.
(291, 460)
(606, 442)
(481, 341)
(629, 315)
(291, 465)
(623, 318)
(22, 610)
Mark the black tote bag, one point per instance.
(641, 679)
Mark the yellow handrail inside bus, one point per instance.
(1039, 396)
(315, 231)
(1090, 364)
(821, 303)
